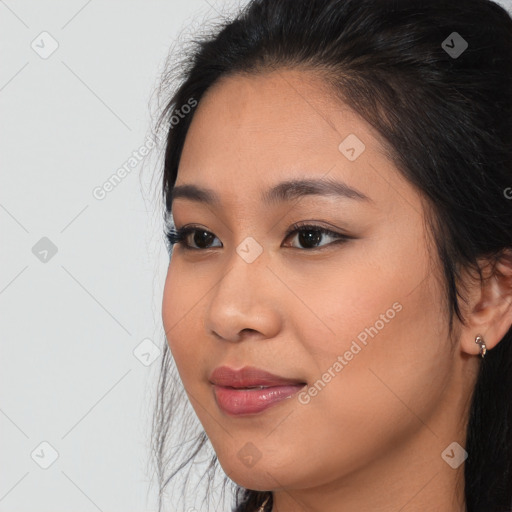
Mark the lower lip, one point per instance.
(250, 401)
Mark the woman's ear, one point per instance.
(489, 307)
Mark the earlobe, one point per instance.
(489, 316)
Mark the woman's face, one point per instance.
(361, 322)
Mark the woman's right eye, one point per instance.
(201, 237)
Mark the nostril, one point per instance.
(248, 330)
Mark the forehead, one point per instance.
(294, 105)
(252, 131)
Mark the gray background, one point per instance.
(69, 325)
(70, 321)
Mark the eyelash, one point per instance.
(176, 236)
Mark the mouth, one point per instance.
(250, 390)
(249, 387)
(249, 377)
(252, 400)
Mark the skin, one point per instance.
(372, 438)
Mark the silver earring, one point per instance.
(483, 349)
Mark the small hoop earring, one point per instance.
(483, 349)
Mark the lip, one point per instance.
(248, 376)
(232, 395)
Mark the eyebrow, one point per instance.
(283, 191)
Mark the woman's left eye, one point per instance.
(308, 236)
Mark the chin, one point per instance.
(259, 477)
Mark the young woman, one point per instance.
(338, 303)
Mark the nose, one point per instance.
(245, 302)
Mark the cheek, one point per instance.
(379, 351)
(172, 306)
(181, 310)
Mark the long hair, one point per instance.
(434, 78)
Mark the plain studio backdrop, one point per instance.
(83, 260)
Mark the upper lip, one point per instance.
(248, 376)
